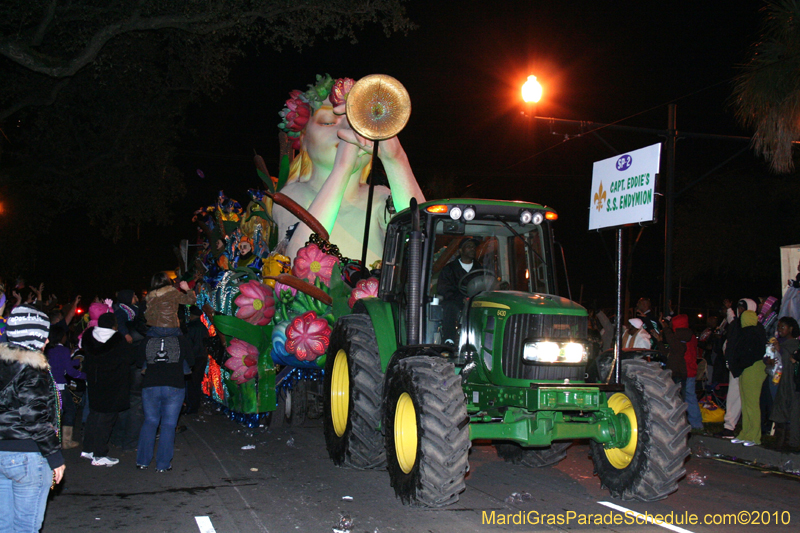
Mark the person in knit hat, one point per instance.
(30, 448)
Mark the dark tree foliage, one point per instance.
(733, 225)
(94, 94)
(767, 89)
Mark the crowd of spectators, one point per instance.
(745, 359)
(119, 371)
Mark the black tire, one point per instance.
(296, 404)
(292, 405)
(358, 443)
(435, 475)
(533, 457)
(656, 464)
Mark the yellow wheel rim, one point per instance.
(405, 433)
(340, 393)
(622, 457)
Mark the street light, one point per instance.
(531, 90)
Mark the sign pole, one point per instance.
(620, 316)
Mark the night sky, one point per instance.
(463, 67)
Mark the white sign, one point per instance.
(623, 188)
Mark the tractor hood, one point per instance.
(525, 302)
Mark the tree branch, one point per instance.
(45, 24)
(199, 24)
(34, 100)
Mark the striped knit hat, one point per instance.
(28, 328)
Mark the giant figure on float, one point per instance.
(328, 178)
(329, 175)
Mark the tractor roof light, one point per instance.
(439, 208)
(469, 213)
(525, 217)
(537, 218)
(455, 213)
(551, 215)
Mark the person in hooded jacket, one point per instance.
(108, 358)
(682, 362)
(733, 401)
(746, 363)
(30, 450)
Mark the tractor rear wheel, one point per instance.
(426, 431)
(649, 466)
(353, 391)
(533, 457)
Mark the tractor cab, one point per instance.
(512, 252)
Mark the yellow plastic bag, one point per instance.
(711, 412)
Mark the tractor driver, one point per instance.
(448, 287)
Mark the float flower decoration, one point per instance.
(295, 116)
(340, 90)
(243, 362)
(256, 303)
(301, 106)
(365, 288)
(312, 263)
(308, 336)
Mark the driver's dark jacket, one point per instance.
(449, 278)
(28, 404)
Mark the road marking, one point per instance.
(205, 525)
(247, 505)
(649, 519)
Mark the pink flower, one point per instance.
(365, 288)
(296, 113)
(308, 336)
(312, 263)
(256, 303)
(280, 287)
(243, 361)
(339, 91)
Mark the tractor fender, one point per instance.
(382, 316)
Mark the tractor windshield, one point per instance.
(513, 255)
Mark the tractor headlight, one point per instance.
(536, 351)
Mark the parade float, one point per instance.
(397, 392)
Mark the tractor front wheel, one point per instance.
(353, 390)
(426, 431)
(650, 464)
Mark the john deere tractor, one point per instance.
(397, 395)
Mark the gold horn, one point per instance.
(378, 107)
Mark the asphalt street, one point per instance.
(281, 480)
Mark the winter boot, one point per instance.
(66, 441)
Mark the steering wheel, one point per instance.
(476, 281)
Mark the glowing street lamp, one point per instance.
(531, 90)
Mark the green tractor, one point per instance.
(397, 395)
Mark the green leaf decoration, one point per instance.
(267, 180)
